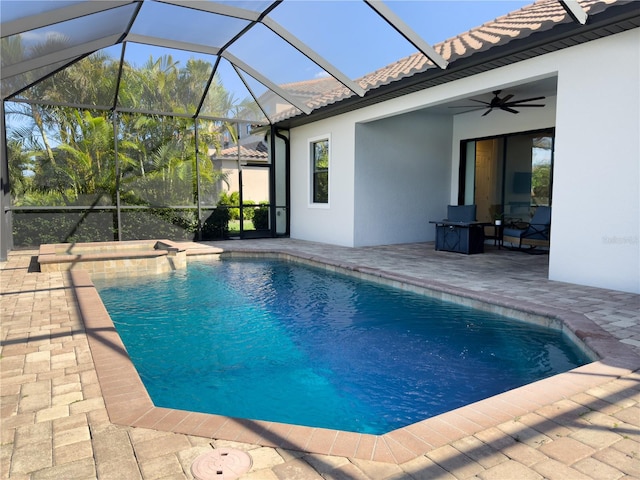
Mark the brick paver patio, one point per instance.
(58, 407)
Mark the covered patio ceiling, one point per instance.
(280, 61)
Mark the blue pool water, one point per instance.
(278, 341)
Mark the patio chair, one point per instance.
(536, 233)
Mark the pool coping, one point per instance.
(110, 259)
(128, 403)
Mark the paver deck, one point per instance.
(72, 408)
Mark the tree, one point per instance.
(541, 184)
(89, 163)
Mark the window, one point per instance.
(320, 171)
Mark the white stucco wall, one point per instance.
(332, 223)
(596, 190)
(402, 178)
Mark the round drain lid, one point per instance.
(221, 464)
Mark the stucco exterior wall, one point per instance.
(596, 202)
(332, 223)
(255, 181)
(402, 178)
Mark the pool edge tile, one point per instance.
(366, 447)
(322, 440)
(382, 452)
(345, 444)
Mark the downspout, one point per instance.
(240, 188)
(287, 163)
(272, 183)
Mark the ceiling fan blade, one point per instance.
(507, 98)
(479, 101)
(528, 99)
(508, 109)
(526, 105)
(487, 112)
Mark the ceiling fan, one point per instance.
(505, 103)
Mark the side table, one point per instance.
(497, 234)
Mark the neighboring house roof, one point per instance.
(312, 88)
(506, 34)
(254, 152)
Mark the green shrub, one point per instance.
(261, 217)
(248, 210)
(231, 200)
(158, 223)
(216, 226)
(31, 229)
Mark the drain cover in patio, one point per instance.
(221, 464)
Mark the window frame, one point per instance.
(313, 171)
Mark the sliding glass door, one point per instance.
(507, 176)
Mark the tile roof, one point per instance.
(247, 152)
(542, 15)
(312, 87)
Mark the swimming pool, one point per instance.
(279, 341)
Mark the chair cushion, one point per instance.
(512, 232)
(542, 216)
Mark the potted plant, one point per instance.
(496, 214)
